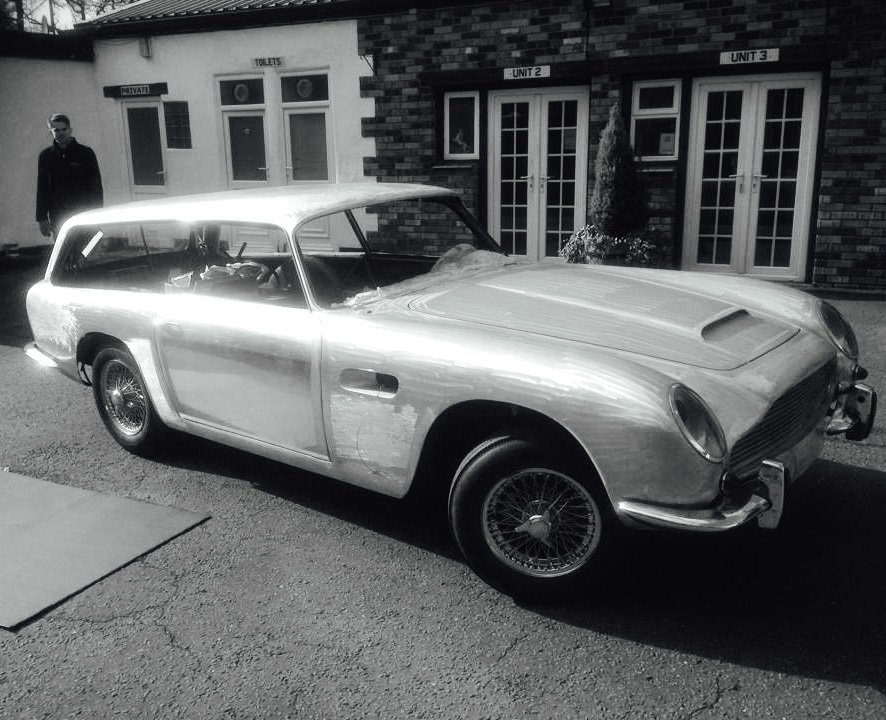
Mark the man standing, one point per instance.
(68, 178)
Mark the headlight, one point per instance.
(840, 331)
(697, 423)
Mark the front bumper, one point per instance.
(765, 504)
(853, 415)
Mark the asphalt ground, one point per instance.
(304, 598)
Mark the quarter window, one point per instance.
(655, 119)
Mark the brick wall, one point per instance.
(849, 244)
(850, 249)
(444, 39)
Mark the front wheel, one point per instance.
(528, 522)
(123, 402)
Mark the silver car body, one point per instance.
(353, 391)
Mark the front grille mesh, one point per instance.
(789, 420)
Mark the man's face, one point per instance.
(61, 132)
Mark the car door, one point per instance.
(241, 360)
(245, 368)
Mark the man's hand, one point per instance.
(45, 228)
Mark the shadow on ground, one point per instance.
(805, 600)
(17, 274)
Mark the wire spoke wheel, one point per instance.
(541, 522)
(123, 402)
(124, 398)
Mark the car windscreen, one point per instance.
(425, 227)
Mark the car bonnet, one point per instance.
(636, 314)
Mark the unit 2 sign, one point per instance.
(530, 72)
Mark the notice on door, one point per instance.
(743, 57)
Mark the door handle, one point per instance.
(369, 382)
(756, 181)
(740, 177)
(530, 178)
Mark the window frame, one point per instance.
(474, 153)
(308, 106)
(657, 113)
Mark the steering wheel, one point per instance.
(257, 272)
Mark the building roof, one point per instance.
(172, 16)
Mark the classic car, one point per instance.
(375, 333)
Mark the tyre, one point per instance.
(123, 402)
(529, 522)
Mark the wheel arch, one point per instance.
(94, 342)
(463, 428)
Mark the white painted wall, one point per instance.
(192, 65)
(30, 91)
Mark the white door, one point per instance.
(537, 168)
(750, 175)
(145, 140)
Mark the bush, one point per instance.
(618, 203)
(589, 245)
(618, 211)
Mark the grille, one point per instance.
(789, 420)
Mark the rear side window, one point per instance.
(120, 254)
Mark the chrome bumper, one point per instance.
(855, 415)
(765, 504)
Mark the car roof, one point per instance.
(286, 206)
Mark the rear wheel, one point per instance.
(123, 402)
(529, 522)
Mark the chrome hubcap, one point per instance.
(541, 522)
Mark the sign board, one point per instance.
(264, 62)
(529, 72)
(135, 90)
(743, 57)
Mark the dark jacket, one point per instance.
(68, 180)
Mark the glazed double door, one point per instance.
(537, 168)
(750, 175)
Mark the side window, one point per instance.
(130, 256)
(240, 261)
(655, 119)
(178, 125)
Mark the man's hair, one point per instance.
(58, 117)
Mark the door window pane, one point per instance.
(780, 161)
(242, 92)
(716, 211)
(247, 135)
(307, 138)
(514, 164)
(145, 148)
(562, 131)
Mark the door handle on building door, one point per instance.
(740, 181)
(756, 181)
(530, 178)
